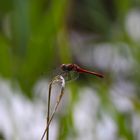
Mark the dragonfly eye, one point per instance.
(64, 67)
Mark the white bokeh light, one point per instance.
(132, 24)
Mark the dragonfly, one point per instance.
(72, 71)
(68, 72)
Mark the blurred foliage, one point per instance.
(34, 39)
(29, 39)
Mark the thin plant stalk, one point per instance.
(49, 119)
(48, 110)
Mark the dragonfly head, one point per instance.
(63, 67)
(66, 67)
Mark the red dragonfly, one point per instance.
(68, 71)
(71, 71)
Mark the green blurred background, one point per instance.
(36, 36)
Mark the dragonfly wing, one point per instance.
(70, 75)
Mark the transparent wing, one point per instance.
(67, 75)
(70, 75)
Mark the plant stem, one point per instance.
(53, 113)
(48, 111)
